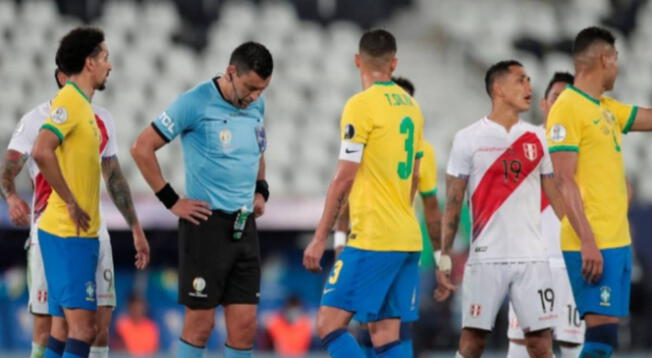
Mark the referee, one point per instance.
(221, 126)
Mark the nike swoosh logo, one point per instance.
(347, 151)
(596, 121)
(328, 290)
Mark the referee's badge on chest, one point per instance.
(225, 137)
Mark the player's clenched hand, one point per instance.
(259, 205)
(79, 217)
(142, 248)
(444, 286)
(18, 210)
(313, 253)
(191, 210)
(592, 263)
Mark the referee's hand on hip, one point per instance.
(191, 210)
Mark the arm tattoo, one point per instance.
(12, 165)
(118, 189)
(340, 201)
(455, 189)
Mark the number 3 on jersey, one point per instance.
(336, 272)
(405, 168)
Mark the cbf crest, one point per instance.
(530, 151)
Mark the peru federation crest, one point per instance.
(530, 151)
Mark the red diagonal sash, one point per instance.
(503, 177)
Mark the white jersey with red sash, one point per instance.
(504, 172)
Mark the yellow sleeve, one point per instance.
(428, 172)
(63, 117)
(625, 114)
(356, 123)
(563, 129)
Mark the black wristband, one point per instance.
(167, 196)
(262, 188)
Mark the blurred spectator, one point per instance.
(291, 329)
(85, 10)
(196, 18)
(139, 334)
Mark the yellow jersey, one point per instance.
(78, 154)
(389, 124)
(592, 128)
(428, 171)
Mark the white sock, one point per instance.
(570, 352)
(99, 352)
(516, 350)
(458, 355)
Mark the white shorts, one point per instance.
(38, 287)
(567, 327)
(486, 285)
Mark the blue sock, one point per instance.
(600, 341)
(76, 349)
(187, 350)
(406, 339)
(341, 344)
(237, 353)
(366, 345)
(391, 350)
(54, 348)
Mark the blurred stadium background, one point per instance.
(160, 48)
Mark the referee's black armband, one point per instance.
(167, 196)
(262, 188)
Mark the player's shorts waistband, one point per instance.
(42, 232)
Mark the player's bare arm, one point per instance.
(643, 121)
(341, 230)
(120, 194)
(11, 166)
(565, 165)
(549, 187)
(433, 220)
(43, 153)
(259, 199)
(455, 190)
(415, 178)
(336, 197)
(144, 153)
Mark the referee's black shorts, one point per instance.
(215, 269)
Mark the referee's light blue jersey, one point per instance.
(221, 145)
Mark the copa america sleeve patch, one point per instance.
(59, 115)
(558, 133)
(351, 152)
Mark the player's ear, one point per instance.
(357, 60)
(394, 63)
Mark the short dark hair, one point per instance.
(252, 56)
(76, 46)
(589, 36)
(563, 77)
(377, 43)
(498, 70)
(405, 84)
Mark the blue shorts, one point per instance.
(70, 265)
(375, 285)
(610, 295)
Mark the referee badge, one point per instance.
(198, 284)
(225, 136)
(261, 137)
